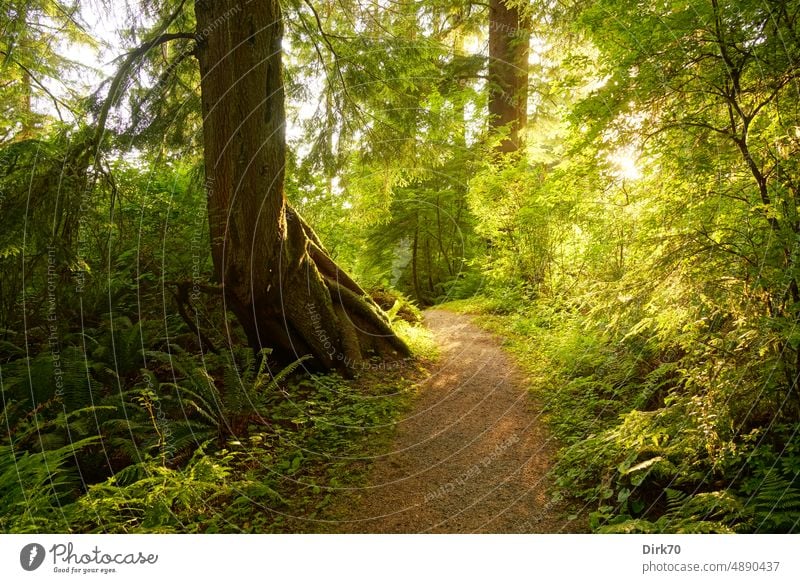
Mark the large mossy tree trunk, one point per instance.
(509, 46)
(283, 287)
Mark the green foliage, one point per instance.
(318, 430)
(34, 65)
(36, 487)
(640, 446)
(699, 514)
(775, 506)
(522, 220)
(228, 403)
(644, 265)
(640, 255)
(148, 497)
(397, 306)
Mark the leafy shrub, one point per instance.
(652, 442)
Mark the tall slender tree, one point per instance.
(509, 41)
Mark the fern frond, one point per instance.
(259, 385)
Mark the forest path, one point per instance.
(472, 454)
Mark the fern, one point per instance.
(703, 513)
(245, 394)
(33, 487)
(150, 498)
(265, 383)
(775, 506)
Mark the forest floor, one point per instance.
(471, 455)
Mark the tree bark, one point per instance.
(278, 279)
(509, 40)
(414, 252)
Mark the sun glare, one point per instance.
(624, 162)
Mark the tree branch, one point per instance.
(124, 71)
(56, 101)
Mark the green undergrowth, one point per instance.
(277, 479)
(406, 318)
(127, 427)
(647, 444)
(254, 451)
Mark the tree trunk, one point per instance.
(509, 40)
(414, 252)
(429, 262)
(278, 279)
(440, 238)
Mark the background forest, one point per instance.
(610, 185)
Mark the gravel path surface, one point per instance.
(472, 454)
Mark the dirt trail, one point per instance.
(471, 456)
